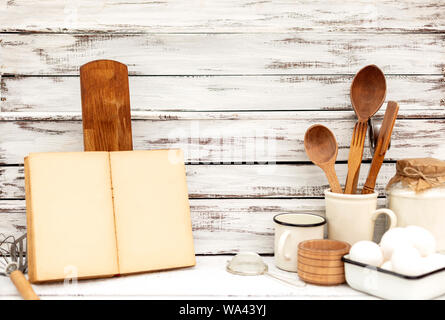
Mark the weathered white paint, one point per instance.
(219, 225)
(224, 115)
(218, 60)
(260, 137)
(425, 94)
(240, 181)
(222, 54)
(222, 16)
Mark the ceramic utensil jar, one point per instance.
(351, 217)
(417, 196)
(290, 230)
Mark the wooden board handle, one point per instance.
(106, 114)
(23, 286)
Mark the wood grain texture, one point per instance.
(321, 147)
(383, 141)
(356, 149)
(245, 181)
(216, 60)
(23, 286)
(219, 225)
(319, 261)
(368, 92)
(220, 138)
(224, 16)
(224, 54)
(434, 114)
(106, 118)
(424, 94)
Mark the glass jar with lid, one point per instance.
(416, 194)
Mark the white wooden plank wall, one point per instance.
(235, 83)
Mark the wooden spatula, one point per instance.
(105, 106)
(382, 145)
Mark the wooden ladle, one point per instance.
(368, 92)
(321, 147)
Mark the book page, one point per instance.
(152, 212)
(71, 228)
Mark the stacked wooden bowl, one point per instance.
(319, 261)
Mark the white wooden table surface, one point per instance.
(235, 84)
(207, 280)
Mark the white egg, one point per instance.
(387, 266)
(407, 261)
(393, 238)
(433, 262)
(366, 252)
(422, 240)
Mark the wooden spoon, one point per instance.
(368, 92)
(382, 145)
(321, 147)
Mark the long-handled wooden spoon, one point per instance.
(368, 92)
(382, 145)
(321, 147)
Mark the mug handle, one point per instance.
(392, 216)
(282, 243)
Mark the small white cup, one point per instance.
(351, 217)
(290, 230)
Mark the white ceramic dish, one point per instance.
(391, 285)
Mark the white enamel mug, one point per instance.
(351, 217)
(290, 230)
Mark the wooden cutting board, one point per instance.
(106, 114)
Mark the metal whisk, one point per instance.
(13, 263)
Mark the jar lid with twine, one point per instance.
(419, 174)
